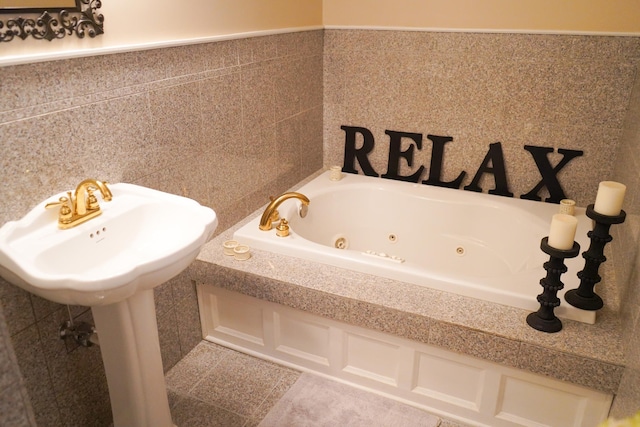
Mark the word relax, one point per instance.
(493, 163)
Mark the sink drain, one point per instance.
(460, 251)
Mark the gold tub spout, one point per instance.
(271, 211)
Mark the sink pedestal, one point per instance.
(128, 334)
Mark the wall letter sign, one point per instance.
(493, 163)
(548, 172)
(351, 153)
(395, 153)
(497, 169)
(437, 157)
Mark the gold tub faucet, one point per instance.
(83, 205)
(270, 213)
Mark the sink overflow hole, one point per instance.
(393, 238)
(97, 232)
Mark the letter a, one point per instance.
(497, 169)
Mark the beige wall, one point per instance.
(620, 16)
(146, 23)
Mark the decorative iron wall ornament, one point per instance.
(53, 23)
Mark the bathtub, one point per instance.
(472, 244)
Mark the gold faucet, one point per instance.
(83, 205)
(271, 214)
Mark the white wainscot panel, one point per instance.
(233, 317)
(449, 381)
(373, 359)
(534, 404)
(301, 338)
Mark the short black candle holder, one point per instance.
(544, 319)
(584, 297)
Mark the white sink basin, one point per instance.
(142, 238)
(112, 262)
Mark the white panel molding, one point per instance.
(482, 30)
(19, 59)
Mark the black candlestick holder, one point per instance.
(584, 297)
(544, 319)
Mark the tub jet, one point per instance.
(340, 242)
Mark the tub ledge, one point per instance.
(582, 354)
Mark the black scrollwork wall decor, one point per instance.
(55, 21)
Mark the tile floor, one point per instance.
(216, 386)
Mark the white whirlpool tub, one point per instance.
(472, 244)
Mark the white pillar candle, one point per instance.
(563, 231)
(609, 198)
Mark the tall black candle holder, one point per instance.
(584, 297)
(544, 319)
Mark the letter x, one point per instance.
(549, 173)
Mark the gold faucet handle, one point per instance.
(282, 230)
(92, 200)
(62, 202)
(65, 214)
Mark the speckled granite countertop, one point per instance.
(588, 355)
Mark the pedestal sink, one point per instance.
(112, 263)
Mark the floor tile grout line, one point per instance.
(266, 399)
(192, 397)
(225, 355)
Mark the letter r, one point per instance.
(353, 154)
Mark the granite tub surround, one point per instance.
(586, 355)
(559, 91)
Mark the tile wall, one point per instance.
(226, 123)
(555, 91)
